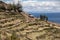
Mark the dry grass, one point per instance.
(37, 30)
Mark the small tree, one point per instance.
(19, 7)
(43, 18)
(9, 7)
(2, 7)
(14, 7)
(46, 18)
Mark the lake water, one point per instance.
(53, 17)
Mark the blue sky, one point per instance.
(39, 5)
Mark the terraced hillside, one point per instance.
(14, 27)
(22, 26)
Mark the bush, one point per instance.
(43, 18)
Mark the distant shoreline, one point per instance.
(54, 23)
(52, 17)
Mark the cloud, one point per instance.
(39, 5)
(40, 0)
(11, 1)
(44, 6)
(15, 1)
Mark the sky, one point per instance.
(42, 6)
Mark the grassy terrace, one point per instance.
(13, 26)
(18, 25)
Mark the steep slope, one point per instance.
(22, 26)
